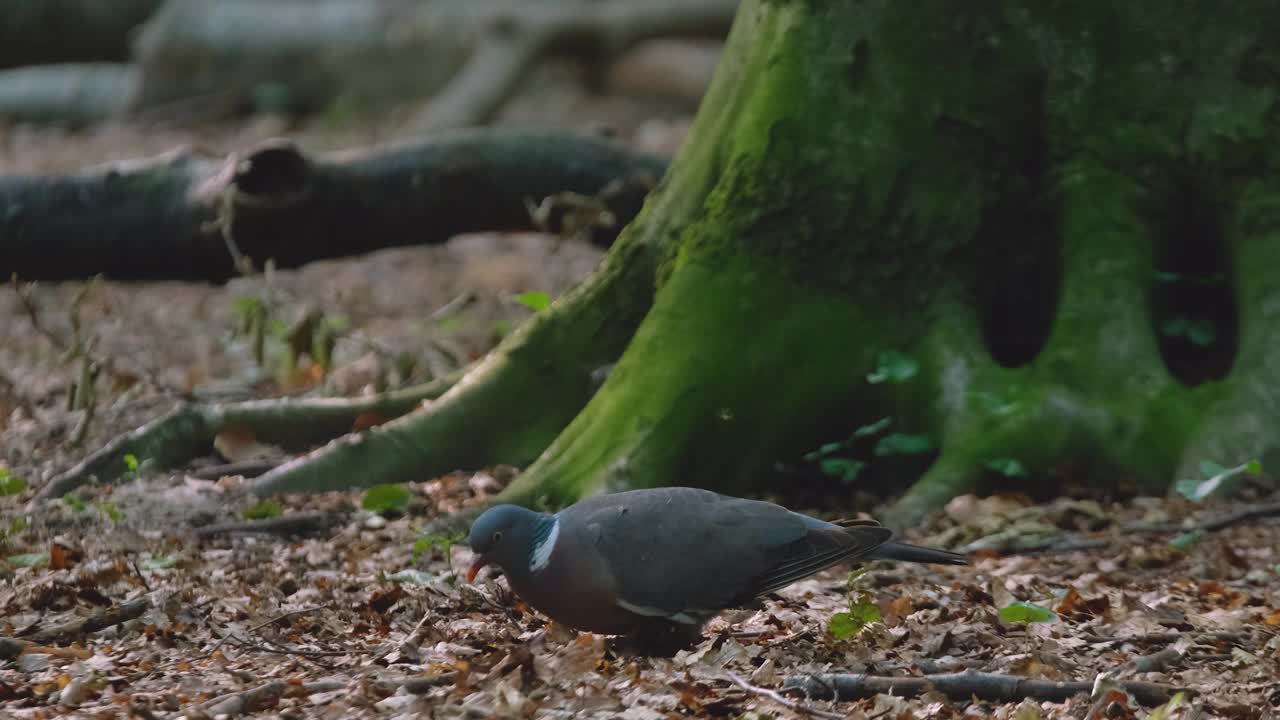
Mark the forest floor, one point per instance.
(327, 609)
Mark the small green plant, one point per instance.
(434, 541)
(862, 610)
(1187, 540)
(131, 466)
(1217, 479)
(74, 502)
(1198, 330)
(893, 367)
(159, 562)
(109, 509)
(1025, 612)
(381, 498)
(263, 510)
(11, 484)
(535, 300)
(1009, 467)
(904, 444)
(36, 559)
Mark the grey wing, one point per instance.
(686, 553)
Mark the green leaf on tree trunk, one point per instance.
(1009, 467)
(847, 469)
(38, 559)
(263, 510)
(893, 367)
(535, 300)
(903, 444)
(390, 496)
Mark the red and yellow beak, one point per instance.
(479, 562)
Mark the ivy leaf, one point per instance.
(263, 510)
(108, 508)
(846, 469)
(873, 428)
(36, 559)
(535, 300)
(131, 462)
(11, 484)
(1220, 481)
(893, 367)
(159, 562)
(1209, 468)
(1009, 467)
(427, 543)
(993, 403)
(824, 450)
(389, 496)
(1025, 612)
(1166, 710)
(844, 625)
(75, 502)
(1175, 326)
(903, 444)
(1184, 542)
(1201, 332)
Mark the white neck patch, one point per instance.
(541, 555)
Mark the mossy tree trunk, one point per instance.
(1015, 195)
(1059, 219)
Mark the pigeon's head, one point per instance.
(502, 535)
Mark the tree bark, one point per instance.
(56, 31)
(880, 171)
(954, 217)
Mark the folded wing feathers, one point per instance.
(841, 544)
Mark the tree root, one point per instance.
(189, 430)
(964, 685)
(510, 406)
(174, 216)
(513, 42)
(78, 629)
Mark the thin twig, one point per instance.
(136, 571)
(291, 524)
(106, 618)
(788, 703)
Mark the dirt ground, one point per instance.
(361, 615)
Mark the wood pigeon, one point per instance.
(615, 563)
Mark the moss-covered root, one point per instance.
(189, 430)
(511, 405)
(1243, 425)
(720, 416)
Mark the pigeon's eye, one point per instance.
(497, 537)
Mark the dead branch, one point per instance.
(13, 647)
(169, 216)
(54, 31)
(189, 430)
(516, 37)
(101, 620)
(1251, 512)
(264, 696)
(962, 685)
(773, 695)
(1157, 661)
(302, 523)
(243, 468)
(69, 92)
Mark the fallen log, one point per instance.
(187, 216)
